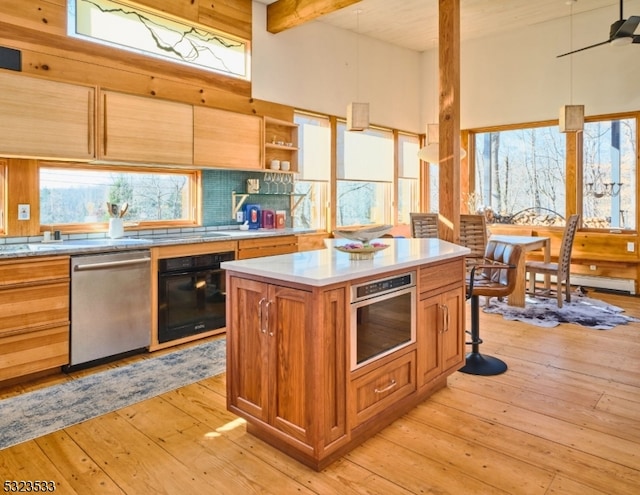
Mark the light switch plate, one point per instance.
(24, 212)
(631, 246)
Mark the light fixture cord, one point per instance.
(571, 56)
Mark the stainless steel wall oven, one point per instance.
(191, 295)
(382, 317)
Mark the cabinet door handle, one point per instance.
(385, 389)
(268, 325)
(445, 318)
(260, 319)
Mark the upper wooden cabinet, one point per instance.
(142, 129)
(227, 139)
(46, 119)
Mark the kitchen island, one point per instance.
(295, 329)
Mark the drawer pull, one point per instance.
(385, 389)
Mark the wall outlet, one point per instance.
(593, 268)
(239, 216)
(631, 246)
(24, 212)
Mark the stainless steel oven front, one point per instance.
(383, 317)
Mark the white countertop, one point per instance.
(329, 266)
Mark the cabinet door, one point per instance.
(453, 335)
(140, 129)
(441, 336)
(247, 346)
(46, 119)
(227, 139)
(430, 317)
(290, 328)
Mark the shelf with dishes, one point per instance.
(281, 143)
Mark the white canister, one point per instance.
(285, 166)
(116, 228)
(275, 165)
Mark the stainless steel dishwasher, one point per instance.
(110, 305)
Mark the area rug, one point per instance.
(582, 310)
(44, 411)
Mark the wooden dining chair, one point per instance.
(495, 276)
(424, 225)
(561, 270)
(473, 235)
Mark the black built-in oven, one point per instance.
(191, 295)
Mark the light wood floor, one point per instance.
(564, 419)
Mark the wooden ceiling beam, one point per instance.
(285, 14)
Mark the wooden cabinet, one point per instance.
(46, 119)
(34, 316)
(288, 354)
(309, 242)
(227, 139)
(281, 142)
(285, 350)
(271, 353)
(141, 129)
(267, 246)
(441, 342)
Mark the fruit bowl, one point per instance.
(359, 251)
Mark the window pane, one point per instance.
(311, 209)
(409, 163)
(362, 203)
(520, 175)
(408, 199)
(366, 154)
(314, 171)
(72, 196)
(124, 26)
(314, 142)
(609, 174)
(365, 176)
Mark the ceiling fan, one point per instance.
(621, 33)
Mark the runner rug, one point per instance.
(582, 310)
(34, 414)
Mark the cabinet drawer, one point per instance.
(31, 352)
(29, 272)
(441, 275)
(254, 248)
(24, 308)
(380, 389)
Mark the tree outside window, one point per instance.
(520, 175)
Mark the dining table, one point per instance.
(528, 243)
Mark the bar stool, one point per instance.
(494, 277)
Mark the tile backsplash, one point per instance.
(217, 186)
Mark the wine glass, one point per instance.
(268, 177)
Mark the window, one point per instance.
(408, 176)
(115, 23)
(365, 176)
(314, 167)
(609, 174)
(520, 175)
(76, 195)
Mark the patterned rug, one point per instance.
(44, 411)
(582, 310)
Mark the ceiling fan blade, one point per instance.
(625, 29)
(585, 48)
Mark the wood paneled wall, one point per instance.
(38, 29)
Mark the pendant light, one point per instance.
(431, 151)
(571, 117)
(357, 113)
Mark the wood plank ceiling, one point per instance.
(413, 24)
